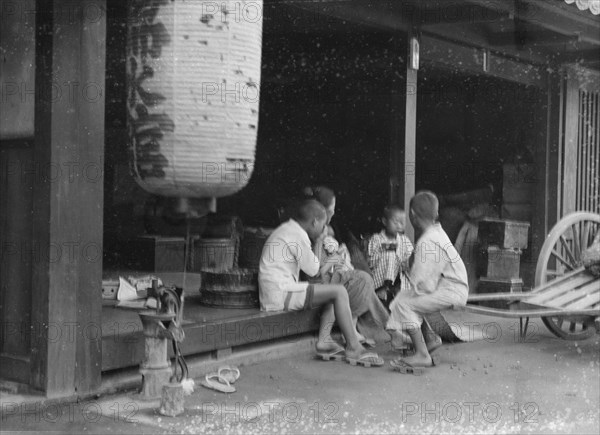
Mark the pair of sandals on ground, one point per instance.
(222, 379)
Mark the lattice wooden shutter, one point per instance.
(581, 148)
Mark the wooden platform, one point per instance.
(206, 329)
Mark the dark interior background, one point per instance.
(331, 102)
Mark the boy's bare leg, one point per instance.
(325, 343)
(421, 356)
(399, 340)
(358, 334)
(432, 340)
(337, 294)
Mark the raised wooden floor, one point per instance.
(206, 329)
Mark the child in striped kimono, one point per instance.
(389, 252)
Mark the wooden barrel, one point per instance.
(236, 288)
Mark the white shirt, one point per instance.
(287, 251)
(437, 264)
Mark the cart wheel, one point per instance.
(561, 253)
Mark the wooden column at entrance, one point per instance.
(68, 196)
(403, 164)
(549, 125)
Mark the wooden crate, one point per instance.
(496, 285)
(503, 263)
(503, 233)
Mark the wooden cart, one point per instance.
(565, 296)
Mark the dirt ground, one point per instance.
(495, 384)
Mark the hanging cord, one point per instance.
(179, 360)
(188, 248)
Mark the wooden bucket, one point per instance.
(232, 289)
(217, 255)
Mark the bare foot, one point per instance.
(433, 344)
(327, 346)
(355, 352)
(419, 360)
(360, 337)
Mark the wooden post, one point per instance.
(548, 168)
(68, 196)
(410, 140)
(403, 148)
(571, 127)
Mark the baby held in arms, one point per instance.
(332, 247)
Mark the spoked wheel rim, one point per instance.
(560, 254)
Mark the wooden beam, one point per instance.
(400, 16)
(369, 14)
(447, 55)
(588, 56)
(585, 22)
(548, 15)
(528, 38)
(444, 13)
(68, 197)
(436, 47)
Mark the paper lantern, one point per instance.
(193, 71)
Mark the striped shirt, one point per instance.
(387, 265)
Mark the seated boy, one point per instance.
(287, 251)
(388, 252)
(438, 281)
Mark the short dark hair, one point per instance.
(310, 209)
(390, 209)
(323, 194)
(425, 205)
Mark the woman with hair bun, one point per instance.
(334, 269)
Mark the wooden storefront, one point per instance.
(53, 146)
